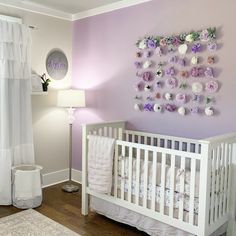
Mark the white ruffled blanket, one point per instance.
(100, 162)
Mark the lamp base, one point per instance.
(70, 188)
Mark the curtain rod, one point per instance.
(11, 19)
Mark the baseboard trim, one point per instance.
(53, 178)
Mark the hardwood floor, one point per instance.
(65, 208)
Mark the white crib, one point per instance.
(213, 160)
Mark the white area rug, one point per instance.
(32, 223)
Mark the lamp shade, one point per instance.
(71, 98)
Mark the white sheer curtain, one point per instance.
(16, 139)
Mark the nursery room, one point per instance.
(117, 118)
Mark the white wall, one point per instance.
(49, 122)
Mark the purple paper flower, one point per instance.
(196, 98)
(173, 59)
(170, 107)
(159, 84)
(212, 46)
(194, 110)
(196, 48)
(204, 35)
(147, 54)
(148, 107)
(209, 73)
(171, 83)
(175, 41)
(197, 72)
(158, 51)
(181, 98)
(147, 76)
(151, 43)
(138, 64)
(181, 62)
(170, 71)
(194, 72)
(212, 86)
(139, 86)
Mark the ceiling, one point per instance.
(70, 9)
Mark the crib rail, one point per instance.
(177, 143)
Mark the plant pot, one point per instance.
(45, 87)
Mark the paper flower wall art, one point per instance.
(195, 60)
(148, 107)
(168, 96)
(181, 98)
(182, 111)
(147, 88)
(211, 60)
(209, 73)
(171, 83)
(147, 64)
(196, 47)
(138, 107)
(194, 110)
(147, 76)
(139, 86)
(209, 111)
(138, 64)
(184, 74)
(170, 71)
(197, 87)
(147, 54)
(212, 86)
(138, 54)
(183, 49)
(157, 108)
(181, 62)
(158, 51)
(170, 107)
(212, 46)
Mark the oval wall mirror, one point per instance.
(57, 64)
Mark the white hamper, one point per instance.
(27, 186)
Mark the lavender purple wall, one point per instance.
(103, 56)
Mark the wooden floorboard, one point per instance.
(65, 208)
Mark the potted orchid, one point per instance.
(45, 82)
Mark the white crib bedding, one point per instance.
(141, 222)
(177, 196)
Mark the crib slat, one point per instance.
(229, 175)
(115, 133)
(145, 139)
(163, 182)
(137, 177)
(172, 185)
(217, 183)
(192, 191)
(139, 139)
(225, 177)
(154, 178)
(122, 172)
(105, 131)
(213, 172)
(110, 132)
(133, 138)
(116, 170)
(130, 174)
(221, 178)
(145, 178)
(182, 180)
(95, 132)
(152, 141)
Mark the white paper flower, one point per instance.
(142, 44)
(137, 107)
(157, 108)
(189, 38)
(182, 111)
(197, 87)
(168, 96)
(195, 60)
(183, 49)
(209, 111)
(147, 64)
(147, 88)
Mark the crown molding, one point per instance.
(107, 8)
(36, 8)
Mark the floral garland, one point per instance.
(153, 42)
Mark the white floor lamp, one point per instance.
(71, 99)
